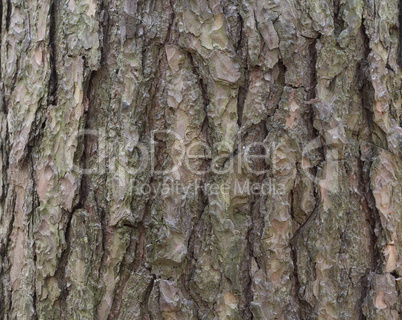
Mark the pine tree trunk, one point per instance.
(182, 159)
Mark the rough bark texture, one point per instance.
(315, 82)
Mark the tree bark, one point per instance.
(181, 159)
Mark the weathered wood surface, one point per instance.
(86, 232)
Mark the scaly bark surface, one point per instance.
(99, 96)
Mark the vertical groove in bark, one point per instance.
(400, 34)
(53, 83)
(8, 14)
(368, 99)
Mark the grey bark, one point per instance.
(99, 96)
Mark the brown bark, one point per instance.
(278, 123)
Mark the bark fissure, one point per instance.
(53, 81)
(204, 90)
(8, 14)
(400, 33)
